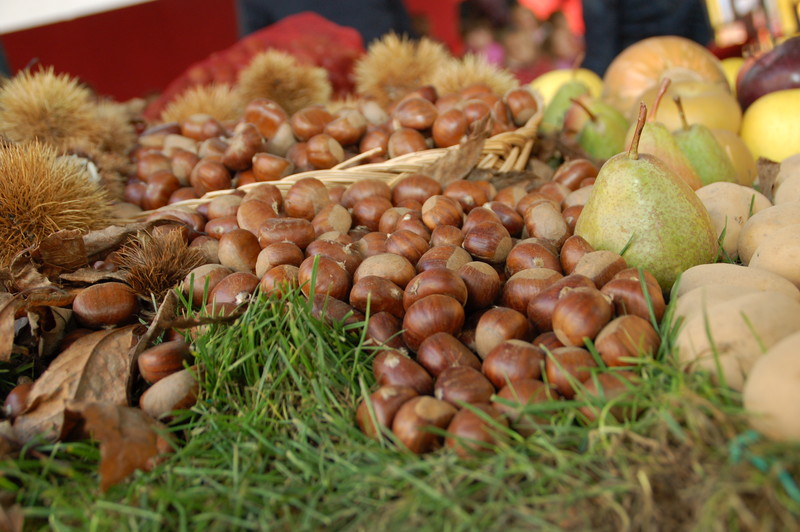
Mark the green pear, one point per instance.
(553, 116)
(657, 140)
(600, 128)
(704, 153)
(642, 210)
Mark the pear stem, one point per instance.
(681, 113)
(662, 90)
(633, 149)
(592, 116)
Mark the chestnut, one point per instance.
(232, 291)
(570, 173)
(447, 235)
(276, 254)
(322, 275)
(413, 422)
(309, 121)
(323, 151)
(270, 167)
(305, 198)
(346, 254)
(393, 267)
(523, 286)
(209, 175)
(521, 104)
(226, 205)
(160, 187)
(417, 187)
(163, 359)
(625, 339)
(543, 220)
(375, 414)
(16, 402)
(388, 222)
(488, 241)
(239, 250)
(497, 325)
(404, 141)
(105, 304)
(507, 216)
(532, 253)
(540, 305)
(383, 329)
(512, 360)
(565, 367)
(449, 128)
(445, 256)
(279, 280)
(515, 399)
(580, 314)
(297, 230)
(469, 194)
(470, 433)
(335, 312)
(370, 244)
(332, 217)
(463, 384)
(347, 128)
(407, 244)
(442, 210)
(177, 391)
(368, 211)
(242, 146)
(604, 388)
(483, 284)
(199, 282)
(209, 246)
(442, 350)
(379, 294)
(600, 266)
(435, 281)
(415, 113)
(429, 315)
(219, 226)
(267, 115)
(573, 249)
(629, 298)
(391, 367)
(377, 138)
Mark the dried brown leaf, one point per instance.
(8, 442)
(12, 519)
(457, 163)
(9, 305)
(129, 439)
(25, 274)
(92, 276)
(100, 243)
(48, 326)
(95, 368)
(62, 250)
(767, 175)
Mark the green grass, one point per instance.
(272, 444)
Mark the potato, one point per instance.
(772, 391)
(779, 253)
(730, 205)
(734, 275)
(734, 334)
(702, 297)
(789, 167)
(763, 223)
(789, 190)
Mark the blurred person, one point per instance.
(371, 18)
(613, 25)
(561, 44)
(479, 39)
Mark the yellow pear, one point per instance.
(703, 102)
(548, 83)
(740, 155)
(771, 125)
(731, 66)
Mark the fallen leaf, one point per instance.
(48, 325)
(456, 163)
(92, 276)
(11, 518)
(129, 439)
(95, 368)
(25, 274)
(99, 243)
(62, 250)
(8, 442)
(9, 305)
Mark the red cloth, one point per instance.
(312, 39)
(572, 9)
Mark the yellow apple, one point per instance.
(548, 83)
(731, 66)
(739, 154)
(703, 103)
(771, 125)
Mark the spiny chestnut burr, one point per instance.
(377, 294)
(177, 391)
(600, 266)
(163, 359)
(239, 250)
(603, 388)
(483, 284)
(413, 422)
(279, 280)
(463, 384)
(297, 230)
(393, 267)
(431, 314)
(305, 198)
(580, 314)
(626, 339)
(375, 414)
(470, 433)
(523, 286)
(532, 253)
(517, 396)
(391, 367)
(540, 305)
(512, 360)
(488, 241)
(417, 187)
(497, 325)
(442, 210)
(435, 281)
(105, 304)
(277, 254)
(443, 350)
(567, 366)
(199, 282)
(322, 275)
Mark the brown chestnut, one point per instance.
(429, 315)
(375, 414)
(497, 325)
(442, 350)
(580, 314)
(413, 422)
(105, 304)
(470, 433)
(513, 360)
(391, 367)
(436, 281)
(163, 359)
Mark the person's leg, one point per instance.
(5, 69)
